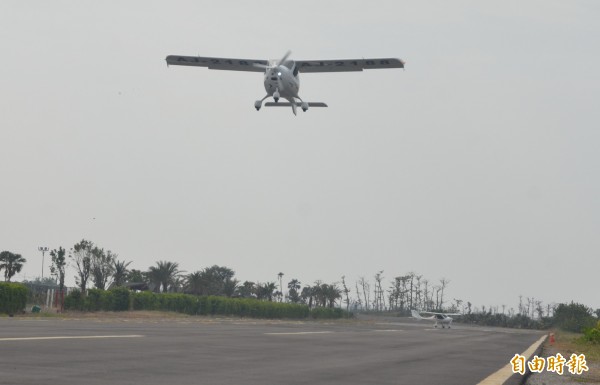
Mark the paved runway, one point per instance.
(200, 350)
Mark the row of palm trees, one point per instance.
(165, 276)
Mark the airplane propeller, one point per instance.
(284, 58)
(280, 62)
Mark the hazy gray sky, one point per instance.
(478, 163)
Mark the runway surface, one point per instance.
(200, 350)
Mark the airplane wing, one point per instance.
(431, 312)
(345, 65)
(217, 63)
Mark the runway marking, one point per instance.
(68, 338)
(505, 372)
(292, 333)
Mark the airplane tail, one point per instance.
(416, 314)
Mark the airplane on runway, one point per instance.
(281, 77)
(441, 318)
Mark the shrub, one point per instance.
(13, 297)
(592, 335)
(120, 299)
(145, 300)
(95, 300)
(573, 317)
(74, 300)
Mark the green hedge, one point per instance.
(107, 300)
(13, 297)
(122, 299)
(214, 305)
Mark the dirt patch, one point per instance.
(565, 345)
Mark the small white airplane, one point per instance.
(441, 318)
(281, 77)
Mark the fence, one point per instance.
(47, 297)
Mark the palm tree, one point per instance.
(194, 283)
(218, 280)
(318, 292)
(307, 295)
(11, 263)
(293, 287)
(331, 293)
(265, 290)
(120, 272)
(247, 289)
(230, 286)
(164, 274)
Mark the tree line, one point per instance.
(102, 269)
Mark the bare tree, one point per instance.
(443, 283)
(58, 270)
(346, 292)
(411, 277)
(358, 301)
(365, 290)
(426, 305)
(437, 296)
(378, 291)
(102, 267)
(418, 294)
(81, 255)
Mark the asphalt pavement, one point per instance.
(202, 350)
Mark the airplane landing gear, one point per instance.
(276, 95)
(258, 103)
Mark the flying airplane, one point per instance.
(281, 77)
(441, 318)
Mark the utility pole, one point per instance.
(280, 275)
(43, 249)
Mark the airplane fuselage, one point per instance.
(442, 320)
(283, 80)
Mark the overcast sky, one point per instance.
(479, 162)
